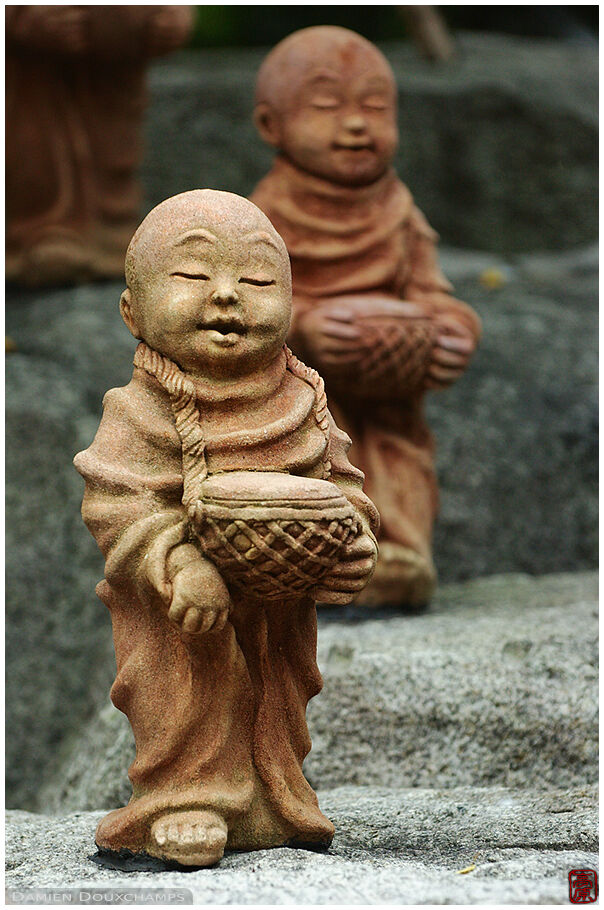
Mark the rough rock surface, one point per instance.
(391, 846)
(496, 685)
(517, 442)
(517, 435)
(498, 146)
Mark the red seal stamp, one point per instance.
(582, 886)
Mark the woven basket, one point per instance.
(391, 358)
(276, 535)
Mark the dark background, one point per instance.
(243, 26)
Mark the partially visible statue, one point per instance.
(219, 491)
(75, 98)
(372, 310)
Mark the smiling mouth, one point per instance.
(225, 333)
(224, 326)
(354, 147)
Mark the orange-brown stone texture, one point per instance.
(220, 493)
(372, 310)
(75, 99)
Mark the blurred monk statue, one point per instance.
(75, 98)
(372, 310)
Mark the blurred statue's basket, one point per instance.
(275, 535)
(390, 357)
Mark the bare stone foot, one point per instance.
(402, 578)
(195, 837)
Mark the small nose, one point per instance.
(224, 294)
(355, 123)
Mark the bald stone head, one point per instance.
(326, 99)
(194, 209)
(209, 284)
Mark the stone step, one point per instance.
(516, 451)
(496, 684)
(392, 846)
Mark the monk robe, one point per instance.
(369, 240)
(74, 110)
(218, 718)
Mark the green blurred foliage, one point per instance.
(219, 26)
(244, 26)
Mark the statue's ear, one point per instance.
(268, 123)
(127, 314)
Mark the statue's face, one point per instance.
(216, 300)
(339, 118)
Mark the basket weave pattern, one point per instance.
(275, 557)
(393, 359)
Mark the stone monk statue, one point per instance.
(219, 491)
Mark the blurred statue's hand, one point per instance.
(453, 347)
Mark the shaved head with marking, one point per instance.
(326, 100)
(298, 54)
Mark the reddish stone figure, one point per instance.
(75, 98)
(219, 491)
(372, 310)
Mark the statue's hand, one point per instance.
(333, 332)
(330, 335)
(453, 347)
(351, 574)
(200, 599)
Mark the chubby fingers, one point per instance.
(345, 585)
(196, 621)
(443, 375)
(340, 598)
(461, 344)
(410, 310)
(360, 568)
(448, 358)
(341, 314)
(361, 547)
(332, 329)
(178, 608)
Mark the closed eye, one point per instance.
(325, 103)
(375, 104)
(195, 277)
(257, 282)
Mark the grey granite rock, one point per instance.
(517, 436)
(497, 684)
(71, 346)
(517, 439)
(499, 146)
(391, 846)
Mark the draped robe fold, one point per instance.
(218, 719)
(369, 241)
(74, 138)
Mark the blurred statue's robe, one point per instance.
(75, 97)
(374, 243)
(218, 719)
